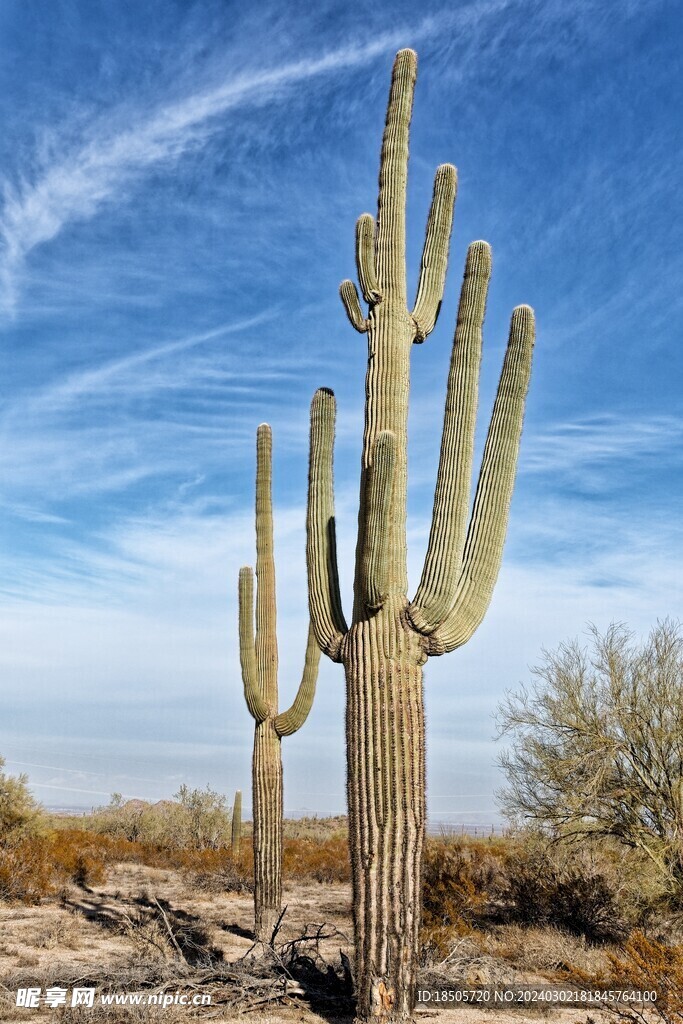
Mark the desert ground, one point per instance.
(152, 928)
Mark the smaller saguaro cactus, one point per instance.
(259, 659)
(236, 836)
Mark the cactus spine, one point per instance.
(390, 637)
(259, 659)
(236, 831)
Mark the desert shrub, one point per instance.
(195, 819)
(643, 964)
(227, 877)
(597, 744)
(324, 860)
(461, 879)
(20, 815)
(548, 885)
(216, 871)
(33, 868)
(26, 871)
(76, 858)
(204, 818)
(646, 964)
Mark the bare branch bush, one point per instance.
(597, 745)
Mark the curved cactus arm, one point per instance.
(437, 590)
(324, 598)
(290, 721)
(375, 560)
(486, 533)
(266, 608)
(365, 258)
(435, 253)
(252, 691)
(349, 296)
(393, 174)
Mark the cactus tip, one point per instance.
(523, 326)
(407, 54)
(479, 258)
(524, 315)
(447, 171)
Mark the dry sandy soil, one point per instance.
(118, 936)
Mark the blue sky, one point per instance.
(179, 184)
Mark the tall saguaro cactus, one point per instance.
(259, 659)
(390, 637)
(236, 829)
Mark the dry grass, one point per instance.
(545, 950)
(134, 916)
(60, 933)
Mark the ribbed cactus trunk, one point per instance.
(266, 780)
(259, 659)
(236, 828)
(390, 637)
(386, 796)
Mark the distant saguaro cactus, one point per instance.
(390, 637)
(259, 661)
(236, 830)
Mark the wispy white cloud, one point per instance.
(591, 441)
(36, 210)
(39, 202)
(92, 381)
(91, 430)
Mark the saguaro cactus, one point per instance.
(390, 637)
(259, 659)
(236, 830)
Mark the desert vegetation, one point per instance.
(143, 914)
(159, 896)
(391, 637)
(597, 746)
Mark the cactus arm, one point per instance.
(266, 611)
(325, 605)
(349, 296)
(488, 524)
(252, 691)
(290, 721)
(375, 561)
(365, 258)
(437, 590)
(435, 253)
(393, 174)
